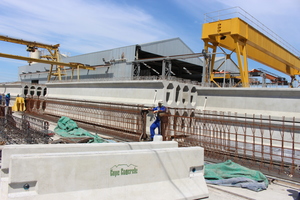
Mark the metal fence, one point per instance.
(122, 121)
(265, 143)
(271, 145)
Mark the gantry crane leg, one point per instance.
(50, 72)
(213, 59)
(241, 53)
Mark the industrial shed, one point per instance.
(120, 63)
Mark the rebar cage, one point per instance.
(23, 129)
(266, 143)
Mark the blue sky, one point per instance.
(84, 26)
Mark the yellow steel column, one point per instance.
(242, 63)
(50, 72)
(245, 69)
(213, 59)
(59, 72)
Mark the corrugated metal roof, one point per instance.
(96, 58)
(174, 46)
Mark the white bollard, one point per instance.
(157, 138)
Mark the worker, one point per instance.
(0, 99)
(156, 124)
(7, 99)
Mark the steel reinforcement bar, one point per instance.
(23, 130)
(123, 121)
(265, 143)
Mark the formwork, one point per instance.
(266, 143)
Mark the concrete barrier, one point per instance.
(9, 150)
(166, 173)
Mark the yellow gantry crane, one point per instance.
(247, 42)
(52, 58)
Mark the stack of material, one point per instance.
(231, 174)
(68, 128)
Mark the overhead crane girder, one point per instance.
(52, 59)
(28, 43)
(71, 64)
(247, 42)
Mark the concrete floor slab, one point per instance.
(275, 191)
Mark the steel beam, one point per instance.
(252, 44)
(28, 43)
(175, 57)
(71, 64)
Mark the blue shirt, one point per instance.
(162, 108)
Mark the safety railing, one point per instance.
(268, 144)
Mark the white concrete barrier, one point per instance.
(167, 173)
(9, 150)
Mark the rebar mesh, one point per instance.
(24, 130)
(266, 143)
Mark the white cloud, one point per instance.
(282, 17)
(84, 26)
(79, 26)
(266, 7)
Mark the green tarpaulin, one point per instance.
(68, 128)
(230, 170)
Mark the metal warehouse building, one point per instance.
(121, 63)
